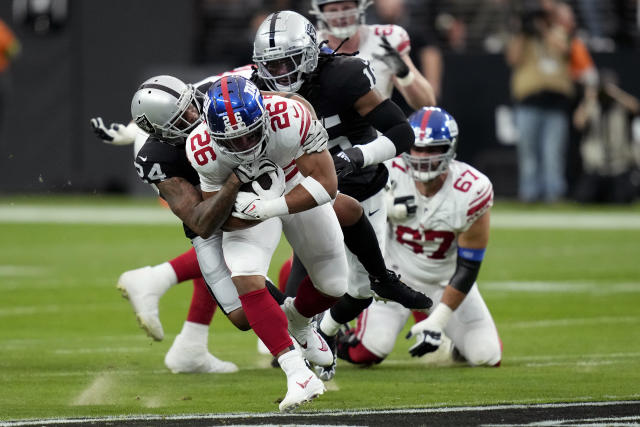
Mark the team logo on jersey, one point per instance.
(144, 123)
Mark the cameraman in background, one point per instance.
(542, 87)
(604, 117)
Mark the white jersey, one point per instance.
(370, 40)
(423, 246)
(286, 130)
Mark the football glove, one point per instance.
(115, 134)
(392, 59)
(248, 206)
(428, 338)
(276, 189)
(249, 172)
(348, 161)
(317, 138)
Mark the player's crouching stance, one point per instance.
(244, 130)
(438, 233)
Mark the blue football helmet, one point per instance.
(234, 112)
(436, 133)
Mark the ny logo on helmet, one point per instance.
(422, 133)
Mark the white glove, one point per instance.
(116, 133)
(428, 332)
(249, 172)
(250, 206)
(317, 138)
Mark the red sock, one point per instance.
(267, 320)
(419, 316)
(360, 354)
(283, 276)
(186, 266)
(309, 301)
(202, 304)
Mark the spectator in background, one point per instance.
(541, 86)
(604, 117)
(9, 49)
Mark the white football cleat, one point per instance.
(138, 286)
(302, 384)
(188, 357)
(314, 348)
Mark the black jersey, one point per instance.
(333, 90)
(158, 161)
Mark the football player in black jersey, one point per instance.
(364, 130)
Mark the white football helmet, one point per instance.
(160, 104)
(340, 24)
(285, 48)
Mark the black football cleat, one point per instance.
(326, 373)
(390, 287)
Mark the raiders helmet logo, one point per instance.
(143, 123)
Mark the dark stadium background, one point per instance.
(91, 62)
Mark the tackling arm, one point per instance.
(202, 216)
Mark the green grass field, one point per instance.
(565, 301)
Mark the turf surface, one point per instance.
(565, 302)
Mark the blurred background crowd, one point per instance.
(545, 91)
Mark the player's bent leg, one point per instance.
(143, 287)
(377, 330)
(473, 331)
(189, 352)
(186, 266)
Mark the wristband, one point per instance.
(471, 254)
(317, 191)
(440, 315)
(406, 80)
(275, 207)
(377, 151)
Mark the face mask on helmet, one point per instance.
(236, 117)
(341, 20)
(285, 48)
(166, 107)
(435, 143)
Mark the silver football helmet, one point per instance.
(285, 48)
(340, 24)
(166, 107)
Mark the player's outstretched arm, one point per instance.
(206, 216)
(116, 133)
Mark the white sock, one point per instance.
(195, 332)
(291, 361)
(165, 276)
(328, 325)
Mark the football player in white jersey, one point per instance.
(438, 230)
(386, 47)
(244, 129)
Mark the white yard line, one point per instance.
(562, 287)
(333, 413)
(157, 215)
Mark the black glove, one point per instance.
(392, 59)
(427, 341)
(348, 161)
(251, 171)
